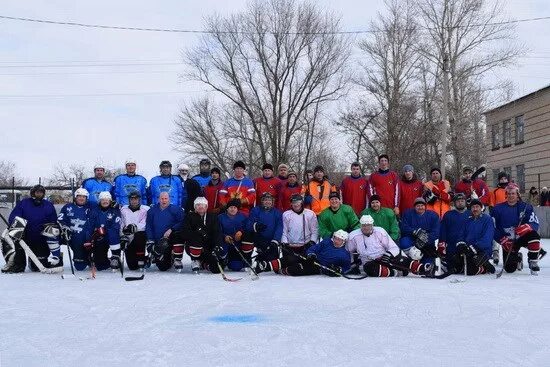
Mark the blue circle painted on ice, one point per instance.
(237, 319)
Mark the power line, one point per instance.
(173, 30)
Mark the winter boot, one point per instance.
(262, 266)
(178, 266)
(520, 261)
(534, 266)
(195, 266)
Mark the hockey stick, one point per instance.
(142, 276)
(314, 262)
(403, 268)
(255, 275)
(30, 253)
(501, 271)
(220, 268)
(478, 172)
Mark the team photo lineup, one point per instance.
(387, 224)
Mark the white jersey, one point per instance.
(299, 229)
(137, 217)
(371, 247)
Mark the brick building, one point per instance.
(518, 135)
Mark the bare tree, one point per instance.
(66, 175)
(9, 175)
(471, 37)
(274, 67)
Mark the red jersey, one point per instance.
(242, 189)
(355, 192)
(408, 192)
(286, 191)
(271, 185)
(479, 186)
(386, 185)
(211, 193)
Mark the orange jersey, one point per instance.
(497, 196)
(443, 203)
(318, 193)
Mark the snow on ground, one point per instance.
(172, 319)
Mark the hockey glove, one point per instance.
(309, 244)
(441, 249)
(336, 270)
(149, 245)
(219, 252)
(421, 235)
(130, 229)
(259, 227)
(523, 229)
(465, 249)
(506, 244)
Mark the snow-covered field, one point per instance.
(172, 319)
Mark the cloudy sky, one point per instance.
(81, 95)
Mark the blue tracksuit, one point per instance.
(480, 232)
(452, 229)
(229, 225)
(202, 179)
(160, 220)
(75, 217)
(94, 187)
(272, 218)
(328, 254)
(125, 184)
(507, 218)
(170, 184)
(36, 216)
(410, 221)
(109, 219)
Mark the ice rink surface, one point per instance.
(172, 319)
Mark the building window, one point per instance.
(520, 127)
(520, 177)
(508, 171)
(495, 137)
(506, 133)
(495, 177)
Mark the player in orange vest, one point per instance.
(436, 193)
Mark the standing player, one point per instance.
(498, 194)
(39, 214)
(165, 182)
(385, 183)
(267, 183)
(355, 189)
(282, 171)
(73, 218)
(134, 238)
(316, 192)
(410, 188)
(473, 189)
(239, 187)
(190, 189)
(516, 226)
(288, 189)
(204, 176)
(212, 191)
(436, 193)
(95, 185)
(129, 182)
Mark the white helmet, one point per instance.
(201, 200)
(183, 167)
(366, 219)
(99, 165)
(130, 161)
(105, 195)
(341, 234)
(81, 192)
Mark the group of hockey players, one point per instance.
(379, 226)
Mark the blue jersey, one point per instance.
(480, 232)
(36, 216)
(272, 218)
(452, 229)
(170, 184)
(328, 254)
(232, 224)
(75, 217)
(507, 218)
(429, 221)
(94, 187)
(160, 220)
(202, 179)
(109, 219)
(125, 184)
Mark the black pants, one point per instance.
(135, 252)
(531, 241)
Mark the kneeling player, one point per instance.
(419, 231)
(103, 233)
(476, 246)
(134, 238)
(232, 224)
(164, 245)
(379, 254)
(202, 236)
(73, 218)
(516, 226)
